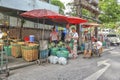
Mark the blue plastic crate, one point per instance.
(43, 54)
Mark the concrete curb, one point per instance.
(17, 66)
(21, 65)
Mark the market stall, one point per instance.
(30, 50)
(89, 39)
(43, 15)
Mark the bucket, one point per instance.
(32, 38)
(26, 38)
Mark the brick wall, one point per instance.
(15, 33)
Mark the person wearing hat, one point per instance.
(88, 46)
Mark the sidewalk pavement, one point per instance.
(107, 49)
(16, 63)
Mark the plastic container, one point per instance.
(43, 54)
(26, 39)
(32, 38)
(7, 50)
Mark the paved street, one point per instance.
(106, 67)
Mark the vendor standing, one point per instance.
(74, 38)
(54, 36)
(63, 36)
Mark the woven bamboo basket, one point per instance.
(30, 52)
(16, 49)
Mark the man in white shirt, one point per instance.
(97, 45)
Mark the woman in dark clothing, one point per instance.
(63, 36)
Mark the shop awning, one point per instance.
(87, 25)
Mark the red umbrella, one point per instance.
(75, 20)
(45, 14)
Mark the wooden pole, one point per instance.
(96, 28)
(22, 23)
(79, 14)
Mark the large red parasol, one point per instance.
(45, 14)
(75, 20)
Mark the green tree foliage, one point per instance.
(83, 12)
(59, 4)
(73, 9)
(110, 12)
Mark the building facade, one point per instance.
(10, 11)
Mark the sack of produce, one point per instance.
(62, 48)
(62, 54)
(53, 59)
(54, 50)
(62, 61)
(50, 58)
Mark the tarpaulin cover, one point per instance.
(87, 25)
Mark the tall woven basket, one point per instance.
(16, 50)
(30, 53)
